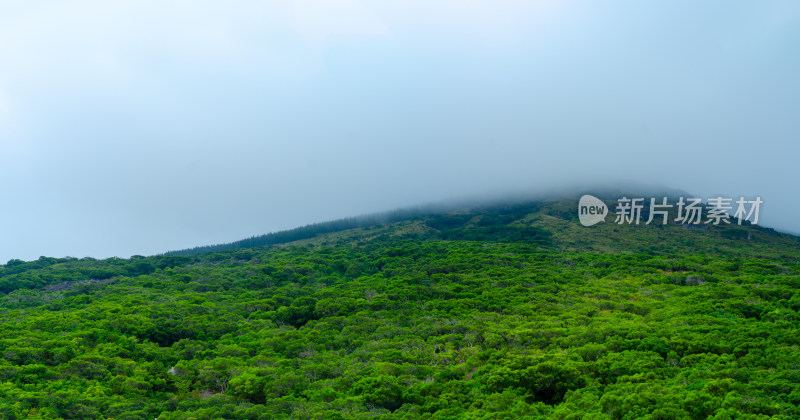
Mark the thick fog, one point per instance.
(137, 127)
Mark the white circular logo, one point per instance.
(591, 210)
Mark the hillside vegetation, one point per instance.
(499, 311)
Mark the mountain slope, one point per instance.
(504, 310)
(552, 222)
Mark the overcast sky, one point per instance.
(141, 126)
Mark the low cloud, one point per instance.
(135, 127)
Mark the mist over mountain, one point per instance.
(373, 209)
(136, 127)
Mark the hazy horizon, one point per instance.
(142, 127)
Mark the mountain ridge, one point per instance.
(562, 206)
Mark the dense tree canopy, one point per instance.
(492, 314)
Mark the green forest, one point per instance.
(501, 311)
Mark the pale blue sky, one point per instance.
(136, 127)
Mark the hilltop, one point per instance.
(547, 221)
